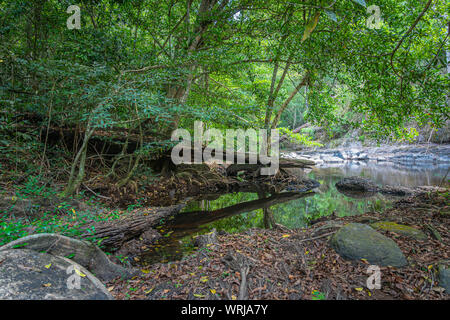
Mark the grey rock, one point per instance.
(419, 155)
(30, 275)
(338, 154)
(357, 241)
(82, 252)
(356, 184)
(396, 190)
(331, 159)
(362, 156)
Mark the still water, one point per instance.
(240, 211)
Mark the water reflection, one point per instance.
(240, 211)
(384, 173)
(201, 216)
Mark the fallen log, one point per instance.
(114, 234)
(233, 169)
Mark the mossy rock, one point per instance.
(401, 229)
(356, 241)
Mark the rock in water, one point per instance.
(356, 184)
(30, 275)
(357, 241)
(396, 191)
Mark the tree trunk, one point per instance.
(115, 233)
(74, 183)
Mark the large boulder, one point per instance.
(357, 241)
(401, 229)
(82, 252)
(356, 184)
(31, 275)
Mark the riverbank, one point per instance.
(417, 155)
(301, 264)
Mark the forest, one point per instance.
(224, 149)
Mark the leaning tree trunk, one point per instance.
(131, 172)
(75, 182)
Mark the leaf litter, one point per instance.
(297, 264)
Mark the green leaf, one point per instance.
(311, 26)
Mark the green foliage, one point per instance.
(34, 187)
(299, 138)
(11, 230)
(86, 68)
(407, 134)
(63, 219)
(147, 67)
(317, 295)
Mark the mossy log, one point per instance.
(114, 234)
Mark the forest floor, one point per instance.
(300, 264)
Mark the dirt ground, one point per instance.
(299, 264)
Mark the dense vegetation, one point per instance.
(92, 91)
(147, 67)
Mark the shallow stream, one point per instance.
(240, 211)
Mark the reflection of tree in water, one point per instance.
(195, 221)
(328, 200)
(269, 221)
(190, 223)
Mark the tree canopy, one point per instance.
(150, 67)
